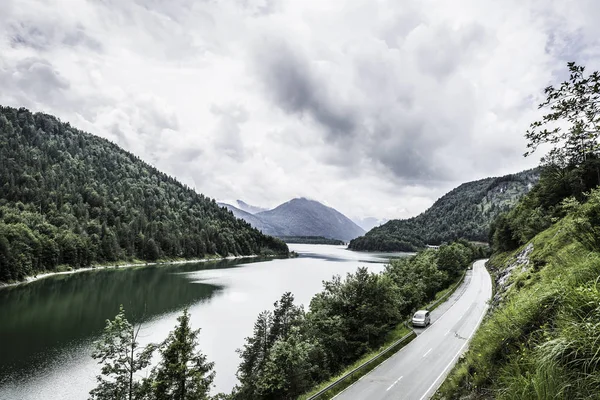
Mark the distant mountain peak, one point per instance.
(242, 205)
(299, 216)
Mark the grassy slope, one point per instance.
(543, 340)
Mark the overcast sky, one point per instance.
(376, 108)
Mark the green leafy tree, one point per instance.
(121, 357)
(353, 315)
(183, 373)
(452, 258)
(575, 102)
(285, 316)
(290, 367)
(152, 251)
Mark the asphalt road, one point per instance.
(416, 371)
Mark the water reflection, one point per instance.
(40, 318)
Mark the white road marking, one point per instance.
(454, 358)
(392, 385)
(425, 355)
(447, 332)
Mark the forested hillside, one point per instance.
(71, 199)
(466, 212)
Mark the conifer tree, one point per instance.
(183, 373)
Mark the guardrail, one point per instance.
(363, 366)
(386, 351)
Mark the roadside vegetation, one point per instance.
(292, 350)
(542, 337)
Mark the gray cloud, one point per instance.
(446, 49)
(33, 80)
(43, 35)
(292, 84)
(381, 126)
(227, 133)
(260, 7)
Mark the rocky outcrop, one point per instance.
(519, 263)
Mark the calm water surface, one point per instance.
(47, 327)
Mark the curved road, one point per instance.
(416, 371)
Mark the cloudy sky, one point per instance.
(374, 107)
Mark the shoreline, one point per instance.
(37, 277)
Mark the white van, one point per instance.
(421, 318)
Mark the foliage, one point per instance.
(541, 341)
(183, 373)
(575, 102)
(262, 372)
(121, 358)
(556, 192)
(290, 351)
(351, 316)
(71, 198)
(466, 212)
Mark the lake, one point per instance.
(47, 327)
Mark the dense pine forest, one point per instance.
(70, 199)
(466, 212)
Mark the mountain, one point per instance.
(249, 208)
(70, 199)
(465, 212)
(300, 218)
(303, 217)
